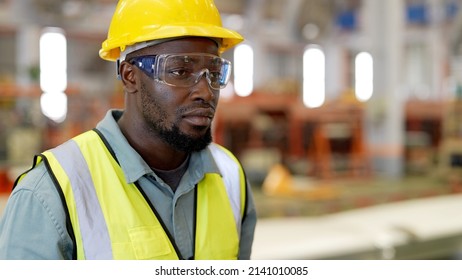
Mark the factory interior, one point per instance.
(346, 115)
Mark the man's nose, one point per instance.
(203, 83)
(204, 73)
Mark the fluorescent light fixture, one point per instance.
(243, 70)
(314, 77)
(53, 60)
(54, 105)
(53, 73)
(364, 76)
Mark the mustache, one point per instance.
(211, 108)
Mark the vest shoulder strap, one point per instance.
(234, 179)
(68, 158)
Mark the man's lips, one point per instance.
(199, 116)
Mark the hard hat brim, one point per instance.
(111, 49)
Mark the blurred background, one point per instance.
(346, 115)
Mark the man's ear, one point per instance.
(127, 76)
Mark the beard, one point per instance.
(156, 118)
(183, 142)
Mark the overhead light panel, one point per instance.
(53, 73)
(364, 76)
(314, 77)
(243, 70)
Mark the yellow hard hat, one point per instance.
(136, 21)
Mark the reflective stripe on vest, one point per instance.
(95, 236)
(136, 233)
(232, 178)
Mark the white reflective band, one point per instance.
(95, 235)
(230, 172)
(139, 46)
(142, 45)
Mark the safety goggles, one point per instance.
(185, 69)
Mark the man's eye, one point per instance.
(179, 72)
(216, 75)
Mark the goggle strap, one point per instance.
(145, 63)
(118, 70)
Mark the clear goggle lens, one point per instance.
(185, 70)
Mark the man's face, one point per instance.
(180, 116)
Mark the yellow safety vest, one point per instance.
(112, 219)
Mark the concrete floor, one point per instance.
(424, 228)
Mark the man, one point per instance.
(147, 182)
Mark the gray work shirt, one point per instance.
(33, 225)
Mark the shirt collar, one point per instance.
(133, 165)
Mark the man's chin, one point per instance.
(193, 146)
(187, 143)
